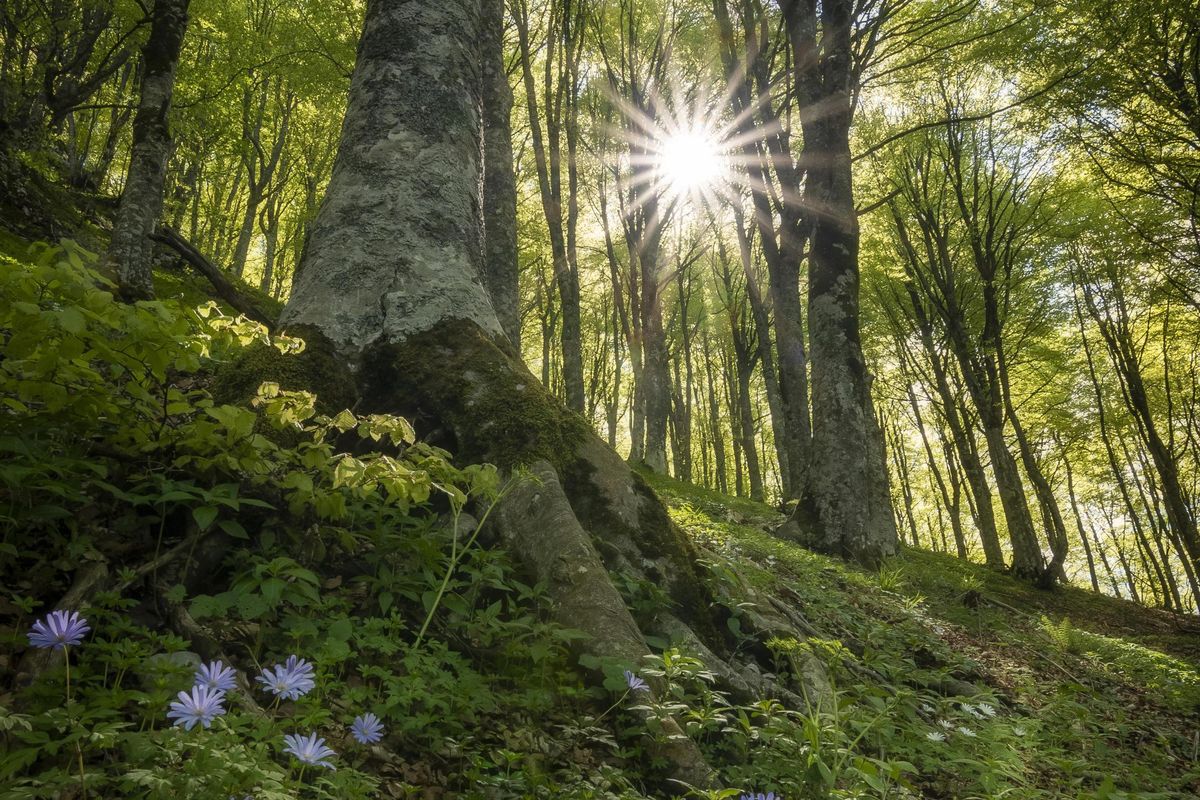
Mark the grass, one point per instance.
(1098, 697)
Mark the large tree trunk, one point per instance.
(141, 204)
(391, 289)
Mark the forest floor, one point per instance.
(952, 680)
(1093, 696)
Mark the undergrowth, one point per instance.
(988, 688)
(187, 530)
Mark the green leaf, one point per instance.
(204, 516)
(341, 629)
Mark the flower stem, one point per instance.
(78, 749)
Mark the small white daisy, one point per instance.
(936, 736)
(986, 709)
(965, 731)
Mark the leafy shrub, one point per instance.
(365, 563)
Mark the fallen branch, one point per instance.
(225, 289)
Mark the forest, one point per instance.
(600, 399)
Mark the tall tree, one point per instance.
(142, 200)
(553, 111)
(391, 286)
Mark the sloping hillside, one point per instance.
(984, 685)
(186, 530)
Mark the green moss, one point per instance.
(456, 376)
(317, 369)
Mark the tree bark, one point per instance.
(130, 248)
(499, 185)
(847, 480)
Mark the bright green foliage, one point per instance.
(115, 452)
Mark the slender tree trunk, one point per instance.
(1083, 539)
(561, 36)
(762, 329)
(951, 499)
(964, 440)
(1112, 576)
(847, 479)
(656, 388)
(746, 422)
(141, 204)
(499, 184)
(906, 495)
(714, 417)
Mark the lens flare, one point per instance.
(689, 161)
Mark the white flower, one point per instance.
(936, 736)
(928, 709)
(1018, 730)
(965, 731)
(945, 723)
(970, 709)
(987, 710)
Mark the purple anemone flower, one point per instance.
(200, 705)
(289, 680)
(309, 749)
(58, 630)
(635, 683)
(216, 677)
(367, 729)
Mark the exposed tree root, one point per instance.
(538, 525)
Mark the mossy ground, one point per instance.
(1096, 697)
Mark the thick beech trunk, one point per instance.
(391, 289)
(141, 204)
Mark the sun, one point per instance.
(689, 161)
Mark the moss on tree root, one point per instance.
(458, 378)
(319, 369)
